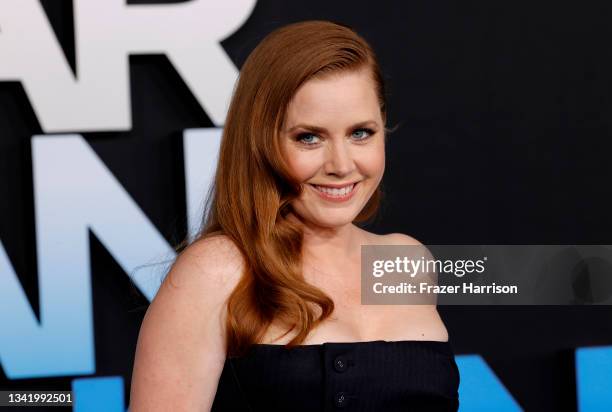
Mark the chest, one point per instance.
(351, 321)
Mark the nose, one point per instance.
(339, 160)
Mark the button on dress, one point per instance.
(341, 376)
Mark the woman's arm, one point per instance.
(181, 345)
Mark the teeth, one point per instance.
(336, 192)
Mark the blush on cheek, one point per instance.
(373, 164)
(303, 167)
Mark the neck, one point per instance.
(330, 245)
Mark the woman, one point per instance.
(262, 312)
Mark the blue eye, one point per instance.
(363, 134)
(305, 138)
(311, 139)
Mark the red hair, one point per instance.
(253, 189)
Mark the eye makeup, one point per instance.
(301, 136)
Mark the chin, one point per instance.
(331, 221)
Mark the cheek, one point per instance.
(303, 165)
(373, 161)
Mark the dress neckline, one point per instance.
(367, 342)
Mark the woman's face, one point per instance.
(333, 141)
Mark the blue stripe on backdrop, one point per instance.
(98, 394)
(594, 379)
(480, 389)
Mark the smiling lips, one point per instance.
(336, 194)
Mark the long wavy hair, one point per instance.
(253, 188)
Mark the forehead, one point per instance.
(335, 99)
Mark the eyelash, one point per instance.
(301, 136)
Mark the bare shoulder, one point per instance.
(388, 239)
(211, 261)
(400, 239)
(180, 352)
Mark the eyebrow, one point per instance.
(318, 129)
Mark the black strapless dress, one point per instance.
(350, 376)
